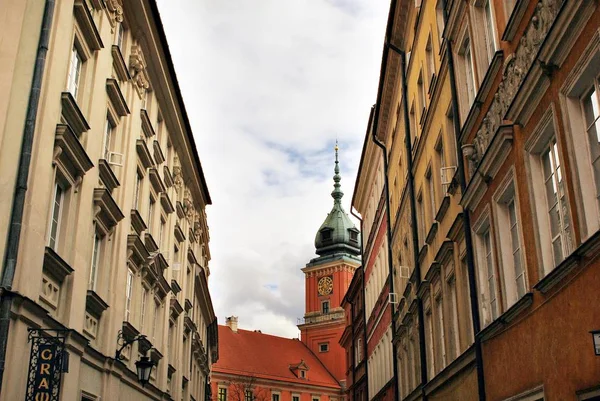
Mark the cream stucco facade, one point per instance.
(114, 235)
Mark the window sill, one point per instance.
(482, 93)
(147, 128)
(86, 23)
(115, 95)
(108, 214)
(166, 203)
(137, 222)
(514, 20)
(179, 235)
(144, 153)
(432, 232)
(489, 164)
(119, 64)
(423, 252)
(506, 318)
(139, 253)
(462, 362)
(168, 177)
(157, 185)
(175, 308)
(70, 156)
(73, 115)
(107, 175)
(443, 208)
(55, 266)
(584, 251)
(95, 304)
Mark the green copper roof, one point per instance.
(337, 235)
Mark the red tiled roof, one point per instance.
(265, 356)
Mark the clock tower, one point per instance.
(327, 278)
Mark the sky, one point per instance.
(269, 85)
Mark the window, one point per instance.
(453, 340)
(469, 76)
(128, 294)
(303, 372)
(323, 347)
(511, 250)
(295, 398)
(120, 35)
(430, 60)
(108, 131)
(326, 235)
(420, 220)
(150, 213)
(429, 339)
(143, 307)
(248, 396)
(155, 320)
(358, 351)
(490, 33)
(275, 397)
(95, 261)
(74, 77)
(489, 301)
(136, 190)
(353, 236)
(466, 76)
(439, 17)
(591, 116)
(413, 124)
(325, 307)
(56, 215)
(222, 394)
(431, 185)
(421, 94)
(440, 338)
(556, 201)
(161, 232)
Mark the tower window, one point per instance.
(353, 236)
(323, 347)
(326, 235)
(325, 307)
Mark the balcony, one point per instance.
(321, 318)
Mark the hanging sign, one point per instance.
(45, 365)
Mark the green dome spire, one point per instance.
(337, 235)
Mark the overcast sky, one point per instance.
(269, 85)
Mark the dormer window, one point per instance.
(353, 235)
(303, 374)
(326, 235)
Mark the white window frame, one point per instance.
(129, 293)
(109, 129)
(440, 335)
(56, 216)
(95, 262)
(489, 301)
(76, 61)
(429, 341)
(510, 240)
(584, 75)
(539, 141)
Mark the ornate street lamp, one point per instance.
(596, 339)
(144, 365)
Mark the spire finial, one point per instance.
(337, 193)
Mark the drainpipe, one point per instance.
(362, 293)
(16, 218)
(466, 220)
(413, 221)
(390, 255)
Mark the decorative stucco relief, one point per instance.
(137, 65)
(516, 67)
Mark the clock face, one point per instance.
(325, 285)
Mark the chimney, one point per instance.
(231, 322)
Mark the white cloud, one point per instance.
(269, 85)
